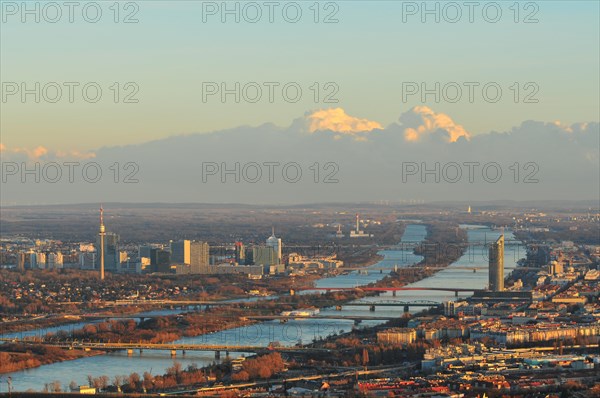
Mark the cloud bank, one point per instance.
(338, 157)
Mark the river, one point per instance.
(294, 331)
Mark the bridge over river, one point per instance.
(174, 348)
(456, 290)
(356, 318)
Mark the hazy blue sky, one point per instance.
(368, 54)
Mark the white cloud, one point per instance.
(338, 121)
(422, 121)
(41, 153)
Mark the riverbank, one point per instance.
(359, 260)
(164, 329)
(65, 319)
(15, 357)
(75, 314)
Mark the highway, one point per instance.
(348, 373)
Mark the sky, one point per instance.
(364, 63)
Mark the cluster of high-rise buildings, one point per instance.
(184, 257)
(39, 260)
(193, 257)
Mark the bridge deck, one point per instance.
(164, 347)
(319, 317)
(392, 289)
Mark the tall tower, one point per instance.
(21, 261)
(102, 233)
(275, 243)
(357, 223)
(496, 265)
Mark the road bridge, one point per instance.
(389, 289)
(391, 303)
(394, 303)
(158, 302)
(141, 317)
(356, 318)
(173, 348)
(411, 269)
(456, 290)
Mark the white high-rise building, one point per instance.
(275, 243)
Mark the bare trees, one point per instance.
(134, 381)
(55, 386)
(148, 382)
(262, 367)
